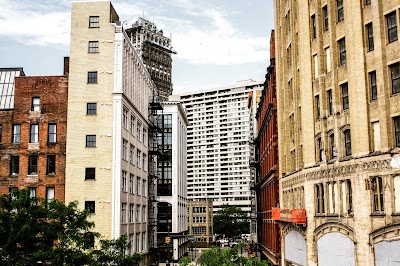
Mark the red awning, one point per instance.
(296, 216)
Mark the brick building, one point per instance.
(267, 183)
(338, 73)
(33, 122)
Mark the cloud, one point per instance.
(36, 22)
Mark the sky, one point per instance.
(218, 42)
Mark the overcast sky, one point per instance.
(218, 42)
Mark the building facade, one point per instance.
(218, 145)
(156, 51)
(108, 107)
(266, 163)
(201, 221)
(172, 207)
(338, 72)
(33, 124)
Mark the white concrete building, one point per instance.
(108, 101)
(218, 144)
(172, 220)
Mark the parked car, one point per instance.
(233, 244)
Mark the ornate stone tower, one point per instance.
(155, 50)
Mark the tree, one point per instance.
(231, 221)
(33, 231)
(184, 261)
(216, 256)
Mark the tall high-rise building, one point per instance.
(172, 206)
(108, 110)
(338, 84)
(218, 144)
(266, 165)
(156, 51)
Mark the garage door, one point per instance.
(387, 253)
(295, 248)
(335, 249)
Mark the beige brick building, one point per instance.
(107, 136)
(338, 88)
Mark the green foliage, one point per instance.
(184, 261)
(216, 256)
(33, 231)
(231, 221)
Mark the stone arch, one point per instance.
(330, 227)
(294, 245)
(384, 233)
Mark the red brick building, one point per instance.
(267, 183)
(33, 124)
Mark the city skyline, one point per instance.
(217, 42)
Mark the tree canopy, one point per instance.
(231, 221)
(34, 231)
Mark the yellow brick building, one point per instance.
(338, 84)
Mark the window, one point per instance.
(367, 2)
(137, 215)
(94, 22)
(14, 165)
(138, 130)
(91, 109)
(91, 206)
(90, 173)
(347, 142)
(377, 190)
(131, 212)
(345, 96)
(35, 104)
(123, 181)
(373, 86)
(1, 131)
(317, 107)
(51, 165)
(138, 155)
(131, 184)
(376, 133)
(289, 55)
(144, 163)
(132, 154)
(391, 26)
(138, 185)
(34, 134)
(370, 36)
(32, 192)
(395, 76)
(320, 149)
(396, 187)
(50, 194)
(326, 20)
(90, 140)
(52, 134)
(342, 51)
(123, 213)
(320, 199)
(132, 127)
(92, 77)
(397, 130)
(144, 138)
(125, 117)
(328, 59)
(332, 146)
(144, 214)
(144, 188)
(93, 47)
(315, 61)
(330, 102)
(332, 197)
(314, 27)
(124, 149)
(340, 11)
(32, 167)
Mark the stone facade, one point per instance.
(338, 125)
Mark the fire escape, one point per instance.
(155, 154)
(254, 172)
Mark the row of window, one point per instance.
(33, 165)
(141, 132)
(373, 88)
(50, 192)
(33, 133)
(391, 24)
(141, 158)
(139, 187)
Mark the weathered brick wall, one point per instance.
(53, 93)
